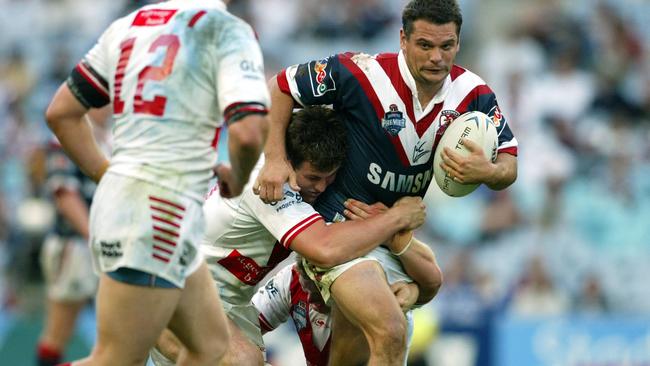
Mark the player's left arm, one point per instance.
(66, 118)
(478, 168)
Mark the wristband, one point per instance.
(405, 248)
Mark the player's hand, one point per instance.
(357, 210)
(229, 187)
(269, 182)
(411, 210)
(406, 294)
(474, 168)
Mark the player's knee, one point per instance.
(211, 349)
(390, 333)
(243, 359)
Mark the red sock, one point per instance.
(47, 356)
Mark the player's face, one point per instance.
(430, 51)
(313, 182)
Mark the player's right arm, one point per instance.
(85, 88)
(277, 168)
(310, 83)
(330, 245)
(65, 117)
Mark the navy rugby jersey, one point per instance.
(391, 137)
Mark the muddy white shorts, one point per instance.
(142, 226)
(67, 267)
(325, 277)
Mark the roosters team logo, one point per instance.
(496, 116)
(447, 116)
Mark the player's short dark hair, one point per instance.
(433, 11)
(316, 135)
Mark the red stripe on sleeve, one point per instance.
(291, 233)
(512, 150)
(283, 82)
(196, 18)
(90, 79)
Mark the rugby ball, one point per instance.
(475, 126)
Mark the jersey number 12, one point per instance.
(155, 106)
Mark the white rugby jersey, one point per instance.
(283, 296)
(246, 238)
(174, 71)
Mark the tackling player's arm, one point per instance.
(330, 245)
(418, 259)
(277, 168)
(66, 118)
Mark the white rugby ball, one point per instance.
(475, 126)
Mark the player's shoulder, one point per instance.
(462, 76)
(462, 79)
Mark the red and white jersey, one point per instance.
(283, 297)
(173, 71)
(246, 238)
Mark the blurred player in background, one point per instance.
(65, 257)
(395, 106)
(245, 238)
(172, 72)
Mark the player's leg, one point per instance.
(199, 321)
(59, 326)
(70, 283)
(363, 296)
(129, 320)
(241, 351)
(348, 340)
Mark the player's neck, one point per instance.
(426, 92)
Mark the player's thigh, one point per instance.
(360, 286)
(130, 318)
(199, 321)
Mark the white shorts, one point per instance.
(143, 226)
(67, 267)
(325, 277)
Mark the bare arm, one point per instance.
(417, 258)
(420, 264)
(476, 168)
(276, 169)
(245, 141)
(65, 117)
(73, 207)
(330, 245)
